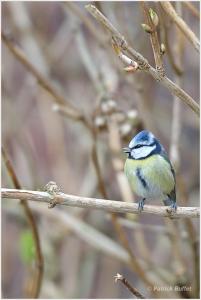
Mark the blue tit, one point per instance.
(149, 171)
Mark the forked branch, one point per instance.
(142, 62)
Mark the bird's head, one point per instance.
(143, 145)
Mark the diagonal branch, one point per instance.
(70, 110)
(190, 35)
(127, 284)
(102, 204)
(192, 8)
(142, 62)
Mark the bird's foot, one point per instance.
(172, 208)
(141, 205)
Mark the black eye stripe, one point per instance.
(143, 145)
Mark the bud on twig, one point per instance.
(154, 17)
(132, 65)
(116, 47)
(163, 49)
(146, 28)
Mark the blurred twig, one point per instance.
(102, 204)
(176, 113)
(86, 232)
(132, 289)
(125, 190)
(193, 238)
(192, 8)
(118, 165)
(142, 62)
(74, 7)
(174, 147)
(149, 227)
(169, 9)
(22, 21)
(154, 37)
(37, 281)
(165, 32)
(70, 110)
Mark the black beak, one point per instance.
(126, 150)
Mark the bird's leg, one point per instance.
(173, 205)
(141, 204)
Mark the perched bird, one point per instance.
(149, 171)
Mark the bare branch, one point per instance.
(70, 110)
(176, 112)
(102, 204)
(76, 10)
(132, 289)
(30, 218)
(192, 8)
(154, 39)
(190, 35)
(165, 37)
(142, 62)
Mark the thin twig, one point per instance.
(154, 39)
(125, 190)
(176, 113)
(132, 289)
(192, 8)
(84, 231)
(102, 204)
(30, 218)
(174, 149)
(96, 164)
(77, 11)
(142, 62)
(193, 240)
(165, 34)
(158, 229)
(93, 237)
(70, 110)
(117, 162)
(190, 35)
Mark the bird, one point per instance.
(149, 170)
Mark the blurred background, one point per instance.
(81, 248)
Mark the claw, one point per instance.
(173, 206)
(141, 204)
(171, 203)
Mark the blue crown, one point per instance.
(144, 137)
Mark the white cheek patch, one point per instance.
(142, 152)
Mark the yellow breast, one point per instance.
(156, 173)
